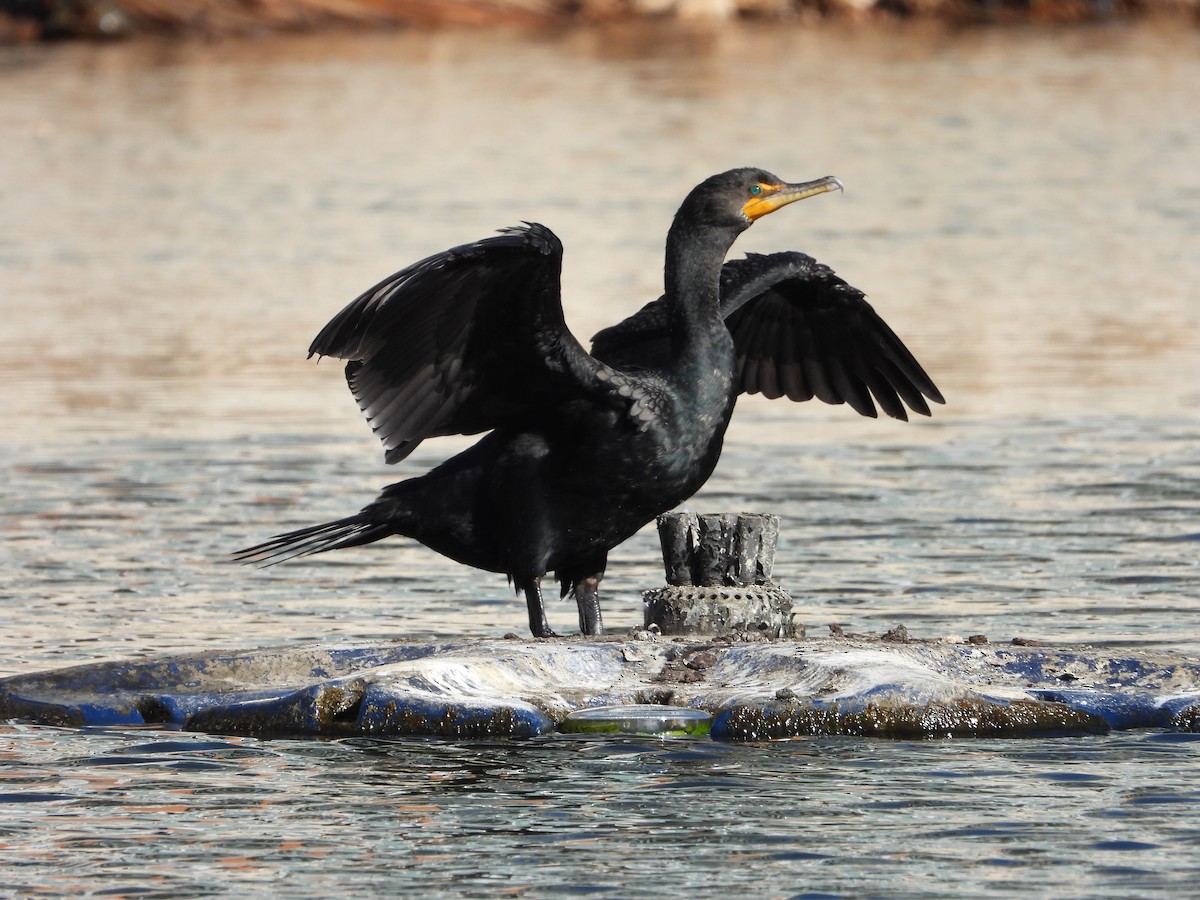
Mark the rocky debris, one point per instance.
(753, 689)
(718, 570)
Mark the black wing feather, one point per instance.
(800, 331)
(461, 342)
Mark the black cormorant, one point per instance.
(584, 449)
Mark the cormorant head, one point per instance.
(734, 199)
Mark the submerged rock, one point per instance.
(753, 689)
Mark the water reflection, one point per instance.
(606, 816)
(1032, 257)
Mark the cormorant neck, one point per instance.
(694, 257)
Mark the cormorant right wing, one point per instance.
(799, 331)
(461, 342)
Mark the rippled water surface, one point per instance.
(190, 814)
(178, 219)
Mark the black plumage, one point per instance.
(584, 449)
(798, 331)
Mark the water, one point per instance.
(179, 219)
(143, 812)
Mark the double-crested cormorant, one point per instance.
(583, 450)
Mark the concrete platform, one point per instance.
(755, 689)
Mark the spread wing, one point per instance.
(800, 331)
(461, 342)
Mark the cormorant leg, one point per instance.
(587, 598)
(537, 610)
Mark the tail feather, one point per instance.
(353, 531)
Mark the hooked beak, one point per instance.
(774, 196)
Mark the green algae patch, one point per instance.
(645, 719)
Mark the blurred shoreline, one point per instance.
(25, 21)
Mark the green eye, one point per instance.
(755, 189)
